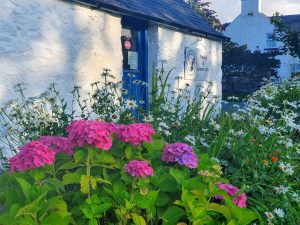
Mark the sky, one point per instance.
(227, 10)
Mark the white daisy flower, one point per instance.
(269, 215)
(114, 117)
(216, 159)
(190, 139)
(279, 212)
(163, 125)
(167, 133)
(281, 189)
(130, 104)
(296, 197)
(148, 119)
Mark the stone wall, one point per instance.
(44, 41)
(242, 83)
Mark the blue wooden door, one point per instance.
(134, 47)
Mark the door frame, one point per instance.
(142, 26)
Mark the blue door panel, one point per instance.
(134, 79)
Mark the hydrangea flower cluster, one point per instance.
(32, 155)
(135, 133)
(181, 153)
(58, 144)
(139, 169)
(90, 132)
(240, 201)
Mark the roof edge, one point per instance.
(106, 7)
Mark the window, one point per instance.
(130, 48)
(271, 42)
(296, 68)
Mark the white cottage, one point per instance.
(254, 28)
(70, 42)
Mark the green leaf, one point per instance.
(146, 201)
(25, 186)
(129, 153)
(168, 185)
(138, 220)
(155, 147)
(56, 183)
(162, 199)
(247, 216)
(68, 166)
(93, 208)
(71, 178)
(80, 156)
(101, 181)
(178, 175)
(84, 184)
(220, 209)
(172, 215)
(7, 219)
(104, 157)
(37, 174)
(32, 208)
(53, 218)
(198, 212)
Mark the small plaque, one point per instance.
(133, 60)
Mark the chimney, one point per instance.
(251, 7)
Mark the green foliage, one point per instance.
(237, 146)
(202, 9)
(238, 58)
(92, 188)
(287, 35)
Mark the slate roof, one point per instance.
(175, 13)
(293, 21)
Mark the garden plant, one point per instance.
(185, 168)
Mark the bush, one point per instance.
(127, 179)
(257, 146)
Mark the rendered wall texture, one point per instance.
(171, 48)
(44, 41)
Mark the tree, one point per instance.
(239, 59)
(285, 34)
(202, 9)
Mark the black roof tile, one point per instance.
(174, 13)
(293, 21)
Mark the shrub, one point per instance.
(127, 183)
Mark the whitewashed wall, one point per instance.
(44, 41)
(171, 48)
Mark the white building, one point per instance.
(70, 42)
(254, 28)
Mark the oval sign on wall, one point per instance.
(127, 44)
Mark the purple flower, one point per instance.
(181, 153)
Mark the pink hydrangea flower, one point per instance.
(32, 155)
(90, 132)
(240, 201)
(135, 133)
(58, 144)
(138, 169)
(181, 153)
